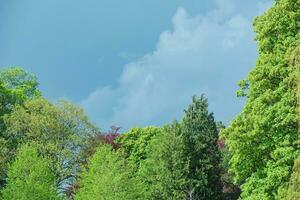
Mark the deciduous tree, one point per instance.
(60, 130)
(108, 177)
(16, 87)
(264, 138)
(29, 177)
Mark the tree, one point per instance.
(180, 161)
(29, 177)
(61, 130)
(16, 87)
(108, 177)
(263, 140)
(163, 171)
(200, 135)
(99, 139)
(135, 142)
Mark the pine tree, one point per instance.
(200, 134)
(182, 161)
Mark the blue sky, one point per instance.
(135, 62)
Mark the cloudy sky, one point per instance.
(135, 62)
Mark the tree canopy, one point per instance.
(108, 177)
(61, 130)
(264, 138)
(29, 177)
(187, 155)
(16, 87)
(51, 150)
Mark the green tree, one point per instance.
(264, 138)
(29, 177)
(200, 135)
(180, 161)
(135, 142)
(108, 177)
(163, 172)
(61, 131)
(16, 87)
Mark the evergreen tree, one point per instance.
(29, 177)
(182, 161)
(200, 134)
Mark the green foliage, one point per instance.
(182, 160)
(60, 130)
(264, 139)
(293, 192)
(200, 134)
(42, 144)
(4, 156)
(163, 172)
(294, 60)
(108, 177)
(29, 177)
(16, 87)
(135, 142)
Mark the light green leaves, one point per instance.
(263, 138)
(108, 177)
(29, 177)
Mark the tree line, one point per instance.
(53, 151)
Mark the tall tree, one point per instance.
(29, 177)
(264, 138)
(108, 177)
(180, 161)
(16, 87)
(200, 135)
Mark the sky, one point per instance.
(135, 62)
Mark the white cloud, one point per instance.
(201, 54)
